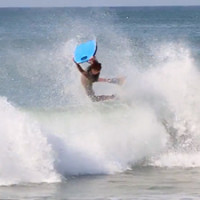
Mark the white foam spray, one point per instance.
(156, 121)
(25, 155)
(96, 140)
(170, 87)
(167, 91)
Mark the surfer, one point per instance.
(91, 75)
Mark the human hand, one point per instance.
(119, 80)
(92, 59)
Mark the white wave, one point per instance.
(96, 140)
(89, 142)
(160, 113)
(25, 155)
(177, 159)
(171, 89)
(106, 138)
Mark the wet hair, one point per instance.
(96, 65)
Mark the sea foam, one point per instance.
(25, 155)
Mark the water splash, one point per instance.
(25, 154)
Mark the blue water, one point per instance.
(57, 144)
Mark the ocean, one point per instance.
(57, 144)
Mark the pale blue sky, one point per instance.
(62, 3)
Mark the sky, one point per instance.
(86, 3)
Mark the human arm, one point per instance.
(80, 69)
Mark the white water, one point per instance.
(108, 138)
(25, 155)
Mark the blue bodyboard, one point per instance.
(85, 51)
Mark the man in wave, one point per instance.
(91, 75)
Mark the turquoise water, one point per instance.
(57, 144)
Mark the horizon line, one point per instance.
(102, 6)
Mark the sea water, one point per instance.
(57, 144)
